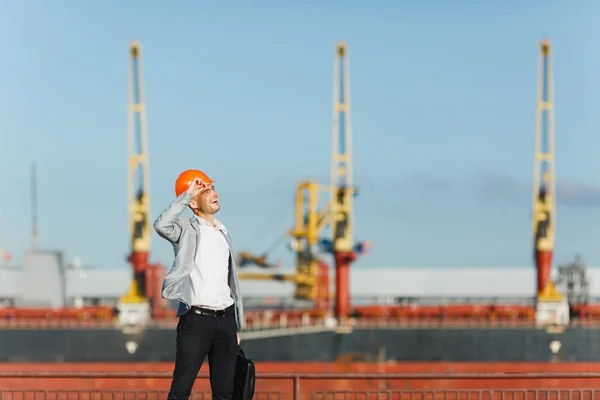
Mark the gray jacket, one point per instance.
(184, 234)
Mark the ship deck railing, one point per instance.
(312, 324)
(304, 386)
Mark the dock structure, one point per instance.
(314, 386)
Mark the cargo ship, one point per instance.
(51, 311)
(436, 330)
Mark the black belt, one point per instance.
(211, 313)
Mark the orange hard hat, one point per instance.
(186, 177)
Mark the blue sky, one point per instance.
(443, 114)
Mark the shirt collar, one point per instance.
(218, 224)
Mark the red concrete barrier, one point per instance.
(299, 386)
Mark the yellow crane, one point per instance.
(543, 209)
(552, 308)
(311, 276)
(136, 302)
(311, 272)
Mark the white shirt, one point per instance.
(210, 286)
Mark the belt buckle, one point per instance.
(219, 313)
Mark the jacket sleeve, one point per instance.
(168, 224)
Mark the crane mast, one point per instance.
(342, 189)
(544, 219)
(341, 157)
(138, 187)
(34, 216)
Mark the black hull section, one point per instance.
(156, 345)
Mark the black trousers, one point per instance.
(199, 336)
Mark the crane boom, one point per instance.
(543, 215)
(138, 180)
(343, 190)
(341, 157)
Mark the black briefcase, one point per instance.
(244, 377)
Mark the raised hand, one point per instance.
(196, 186)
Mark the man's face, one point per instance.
(207, 202)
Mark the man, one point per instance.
(204, 280)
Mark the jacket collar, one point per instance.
(196, 221)
(196, 225)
